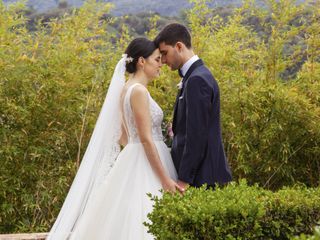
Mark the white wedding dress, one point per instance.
(117, 208)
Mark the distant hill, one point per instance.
(123, 7)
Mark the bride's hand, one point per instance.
(170, 185)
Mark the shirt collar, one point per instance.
(188, 64)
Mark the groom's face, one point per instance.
(170, 56)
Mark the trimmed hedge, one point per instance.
(315, 236)
(237, 211)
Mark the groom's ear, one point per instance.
(179, 46)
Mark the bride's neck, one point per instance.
(139, 77)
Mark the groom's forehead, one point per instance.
(163, 47)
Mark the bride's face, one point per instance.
(153, 65)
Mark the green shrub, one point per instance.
(315, 236)
(265, 127)
(236, 211)
(267, 109)
(52, 84)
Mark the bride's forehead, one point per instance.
(156, 52)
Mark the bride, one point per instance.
(108, 197)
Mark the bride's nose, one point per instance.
(163, 59)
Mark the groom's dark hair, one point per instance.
(173, 33)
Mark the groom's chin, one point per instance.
(172, 68)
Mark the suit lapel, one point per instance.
(196, 64)
(176, 109)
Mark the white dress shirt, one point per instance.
(188, 64)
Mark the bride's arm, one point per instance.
(140, 106)
(124, 138)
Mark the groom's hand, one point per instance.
(183, 186)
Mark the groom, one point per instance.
(197, 148)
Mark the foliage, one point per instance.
(236, 211)
(49, 97)
(267, 108)
(315, 236)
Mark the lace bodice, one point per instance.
(155, 113)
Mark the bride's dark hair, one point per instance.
(139, 47)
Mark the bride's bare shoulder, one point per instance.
(139, 89)
(139, 94)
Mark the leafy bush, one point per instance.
(315, 236)
(236, 211)
(267, 108)
(52, 84)
(266, 127)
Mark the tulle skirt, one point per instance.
(119, 206)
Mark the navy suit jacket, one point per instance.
(197, 149)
